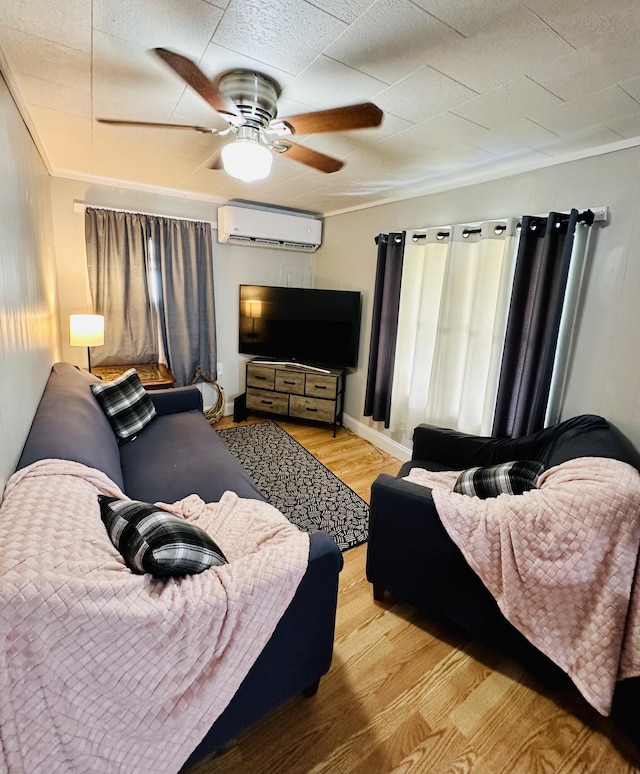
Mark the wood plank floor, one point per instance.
(407, 695)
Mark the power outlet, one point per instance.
(220, 369)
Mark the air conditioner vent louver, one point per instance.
(264, 228)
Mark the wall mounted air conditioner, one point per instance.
(266, 228)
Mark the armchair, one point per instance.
(411, 555)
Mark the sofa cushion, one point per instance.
(126, 404)
(507, 478)
(178, 455)
(70, 425)
(153, 540)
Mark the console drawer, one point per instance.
(312, 408)
(261, 400)
(321, 386)
(286, 381)
(261, 376)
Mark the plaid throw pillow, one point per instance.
(126, 403)
(153, 540)
(508, 478)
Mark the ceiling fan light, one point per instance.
(246, 160)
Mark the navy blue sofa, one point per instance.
(411, 555)
(176, 455)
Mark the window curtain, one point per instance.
(152, 279)
(185, 263)
(456, 286)
(118, 263)
(384, 323)
(534, 325)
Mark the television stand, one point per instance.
(296, 391)
(292, 364)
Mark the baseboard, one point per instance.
(379, 440)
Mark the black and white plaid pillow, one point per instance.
(153, 540)
(508, 478)
(126, 403)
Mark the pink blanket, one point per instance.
(561, 562)
(102, 670)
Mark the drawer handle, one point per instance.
(311, 409)
(259, 376)
(320, 387)
(268, 402)
(286, 382)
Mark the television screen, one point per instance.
(303, 325)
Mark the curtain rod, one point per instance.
(79, 206)
(600, 214)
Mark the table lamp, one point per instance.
(86, 330)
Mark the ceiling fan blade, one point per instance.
(362, 116)
(193, 75)
(307, 156)
(118, 122)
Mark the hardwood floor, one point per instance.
(407, 695)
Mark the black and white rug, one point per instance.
(298, 484)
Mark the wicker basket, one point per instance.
(216, 412)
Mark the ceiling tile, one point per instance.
(557, 79)
(423, 94)
(68, 23)
(391, 40)
(593, 137)
(584, 21)
(327, 83)
(519, 99)
(128, 67)
(258, 28)
(514, 136)
(583, 112)
(187, 145)
(34, 56)
(37, 91)
(444, 129)
(627, 128)
(631, 87)
(132, 83)
(46, 118)
(347, 11)
(218, 59)
(591, 68)
(501, 51)
(467, 16)
(185, 27)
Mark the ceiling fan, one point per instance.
(248, 102)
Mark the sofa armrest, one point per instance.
(461, 450)
(298, 653)
(176, 399)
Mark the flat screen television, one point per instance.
(300, 325)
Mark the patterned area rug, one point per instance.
(298, 484)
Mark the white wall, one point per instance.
(233, 266)
(29, 337)
(604, 375)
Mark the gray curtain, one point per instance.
(118, 265)
(152, 278)
(185, 261)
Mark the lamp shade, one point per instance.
(246, 160)
(86, 330)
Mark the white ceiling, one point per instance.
(470, 88)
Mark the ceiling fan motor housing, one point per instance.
(255, 95)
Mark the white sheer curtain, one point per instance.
(456, 287)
